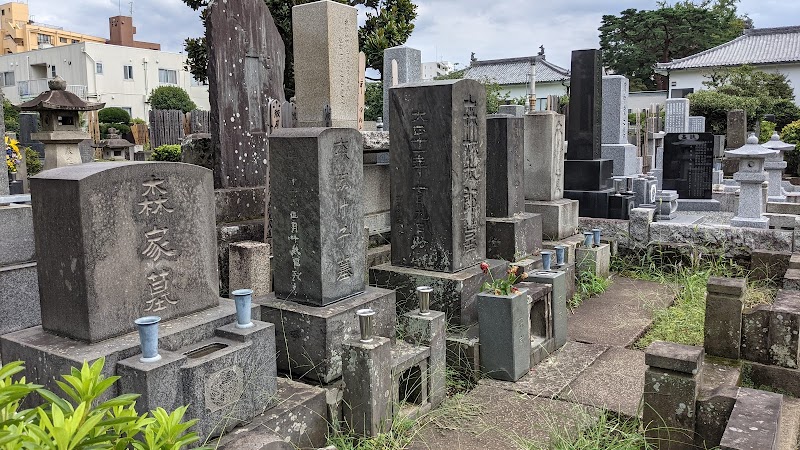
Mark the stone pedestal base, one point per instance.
(625, 160)
(226, 380)
(559, 217)
(666, 205)
(453, 293)
(513, 238)
(19, 298)
(309, 338)
(697, 204)
(588, 175)
(591, 203)
(746, 222)
(367, 377)
(61, 154)
(620, 206)
(596, 260)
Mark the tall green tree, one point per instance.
(389, 23)
(635, 40)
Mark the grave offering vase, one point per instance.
(547, 260)
(424, 296)
(504, 335)
(560, 253)
(588, 238)
(244, 300)
(596, 233)
(148, 338)
(365, 317)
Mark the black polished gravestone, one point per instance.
(317, 214)
(438, 182)
(689, 164)
(505, 195)
(585, 105)
(118, 241)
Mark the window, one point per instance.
(3, 12)
(128, 70)
(63, 40)
(7, 79)
(99, 68)
(167, 76)
(45, 39)
(127, 109)
(53, 71)
(75, 41)
(681, 93)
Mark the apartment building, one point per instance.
(20, 33)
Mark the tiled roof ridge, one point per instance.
(774, 30)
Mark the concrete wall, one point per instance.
(638, 101)
(694, 78)
(515, 91)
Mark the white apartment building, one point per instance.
(115, 75)
(431, 70)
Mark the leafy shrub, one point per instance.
(32, 161)
(766, 130)
(791, 135)
(77, 422)
(785, 112)
(170, 153)
(715, 106)
(171, 97)
(114, 115)
(138, 121)
(11, 116)
(121, 128)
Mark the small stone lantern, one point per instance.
(774, 166)
(115, 148)
(751, 177)
(61, 132)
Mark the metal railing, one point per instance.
(31, 88)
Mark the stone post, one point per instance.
(367, 376)
(737, 129)
(409, 70)
(670, 394)
(723, 326)
(249, 267)
(596, 260)
(326, 64)
(615, 127)
(639, 226)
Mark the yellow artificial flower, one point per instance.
(11, 159)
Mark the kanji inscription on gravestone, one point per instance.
(688, 164)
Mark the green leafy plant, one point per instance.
(78, 422)
(503, 286)
(171, 97)
(121, 128)
(32, 161)
(170, 153)
(11, 115)
(589, 285)
(791, 135)
(113, 115)
(138, 121)
(766, 130)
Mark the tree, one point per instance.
(747, 81)
(390, 23)
(373, 101)
(171, 97)
(636, 40)
(11, 115)
(113, 115)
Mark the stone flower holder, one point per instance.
(505, 337)
(244, 301)
(148, 338)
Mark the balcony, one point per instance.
(32, 88)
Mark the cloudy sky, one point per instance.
(445, 29)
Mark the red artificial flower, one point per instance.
(485, 267)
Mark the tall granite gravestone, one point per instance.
(326, 64)
(544, 175)
(511, 233)
(29, 124)
(118, 241)
(146, 246)
(676, 118)
(615, 127)
(245, 46)
(438, 195)
(318, 238)
(587, 176)
(736, 136)
(688, 164)
(409, 70)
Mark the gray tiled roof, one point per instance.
(516, 70)
(756, 46)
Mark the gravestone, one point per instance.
(688, 164)
(438, 175)
(246, 46)
(409, 70)
(676, 118)
(511, 110)
(615, 127)
(317, 214)
(118, 241)
(29, 124)
(736, 135)
(325, 37)
(697, 124)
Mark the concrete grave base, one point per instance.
(559, 217)
(309, 338)
(625, 160)
(596, 260)
(747, 222)
(693, 204)
(453, 293)
(513, 238)
(591, 203)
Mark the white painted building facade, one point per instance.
(117, 76)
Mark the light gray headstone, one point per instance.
(677, 115)
(511, 110)
(409, 70)
(615, 109)
(697, 124)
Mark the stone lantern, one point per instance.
(751, 177)
(61, 132)
(115, 148)
(774, 166)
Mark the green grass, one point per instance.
(398, 438)
(587, 285)
(608, 433)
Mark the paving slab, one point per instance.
(615, 382)
(789, 428)
(555, 373)
(502, 420)
(621, 315)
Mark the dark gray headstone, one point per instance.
(585, 105)
(86, 149)
(438, 192)
(317, 214)
(736, 135)
(118, 241)
(689, 164)
(505, 160)
(29, 124)
(245, 70)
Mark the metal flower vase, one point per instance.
(243, 298)
(148, 338)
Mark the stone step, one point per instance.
(794, 261)
(789, 426)
(754, 422)
(299, 420)
(791, 281)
